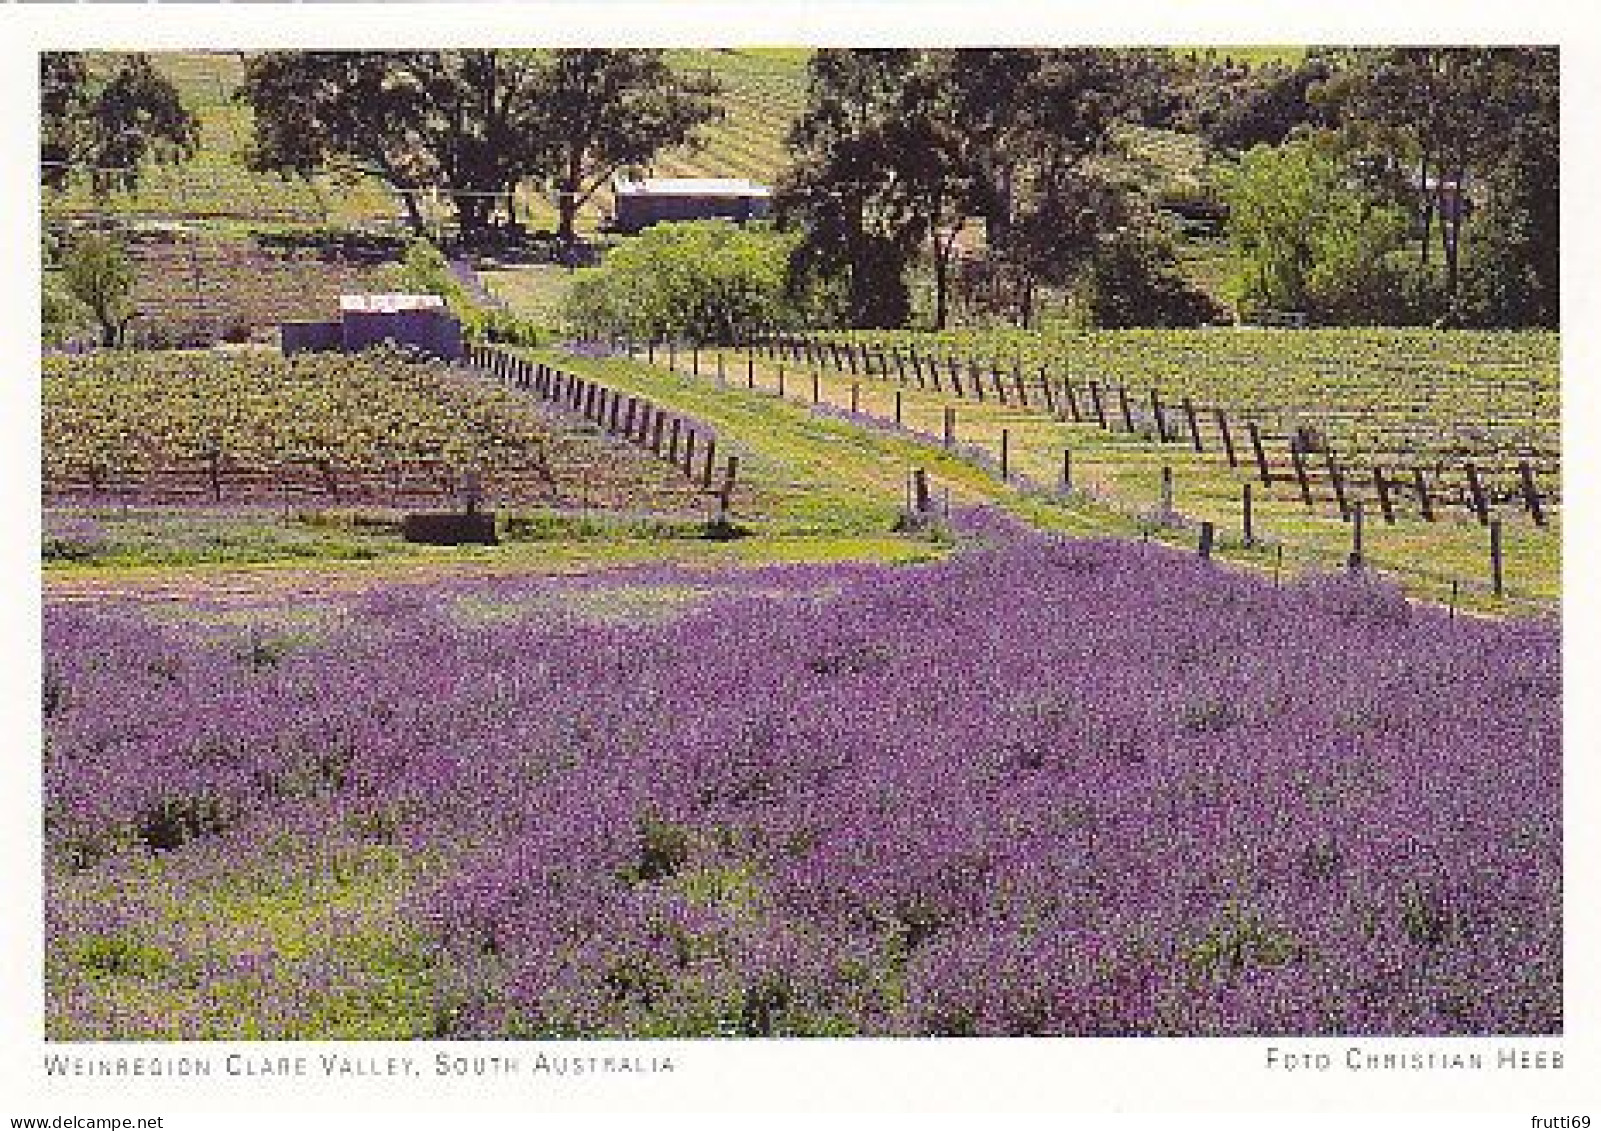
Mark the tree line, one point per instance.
(477, 124)
(1355, 185)
(1339, 174)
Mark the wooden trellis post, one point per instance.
(1261, 456)
(920, 497)
(1481, 506)
(1381, 487)
(725, 494)
(1497, 576)
(711, 457)
(1298, 461)
(1337, 478)
(1531, 492)
(1228, 440)
(1425, 504)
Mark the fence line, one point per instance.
(1463, 485)
(912, 369)
(633, 418)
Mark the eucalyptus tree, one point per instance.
(104, 118)
(841, 190)
(476, 124)
(899, 150)
(1442, 125)
(462, 121)
(599, 111)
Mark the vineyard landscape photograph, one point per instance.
(801, 542)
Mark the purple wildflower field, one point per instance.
(1043, 788)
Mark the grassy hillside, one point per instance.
(765, 91)
(201, 231)
(215, 186)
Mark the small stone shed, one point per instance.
(420, 321)
(640, 204)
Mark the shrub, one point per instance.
(706, 280)
(490, 324)
(98, 274)
(1303, 238)
(1134, 281)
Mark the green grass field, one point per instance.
(215, 186)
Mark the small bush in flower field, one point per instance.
(1042, 788)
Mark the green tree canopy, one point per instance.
(902, 149)
(1305, 237)
(474, 123)
(1235, 105)
(1453, 133)
(838, 189)
(1515, 273)
(600, 111)
(460, 120)
(706, 280)
(102, 124)
(98, 275)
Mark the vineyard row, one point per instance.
(1529, 481)
(177, 458)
